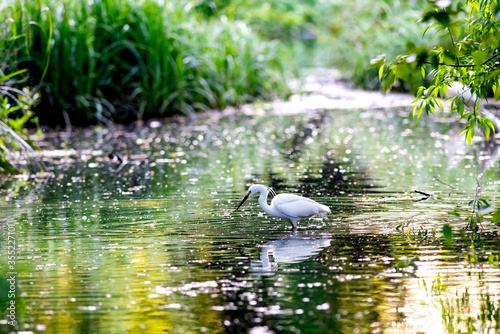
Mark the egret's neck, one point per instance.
(263, 202)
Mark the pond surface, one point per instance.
(136, 231)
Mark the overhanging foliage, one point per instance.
(467, 56)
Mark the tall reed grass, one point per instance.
(121, 60)
(16, 146)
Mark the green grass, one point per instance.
(16, 147)
(378, 27)
(343, 34)
(121, 60)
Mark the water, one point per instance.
(145, 239)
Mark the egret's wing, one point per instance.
(297, 206)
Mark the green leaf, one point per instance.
(389, 79)
(447, 234)
(496, 91)
(454, 30)
(432, 104)
(469, 135)
(13, 74)
(443, 18)
(428, 16)
(435, 60)
(404, 71)
(420, 108)
(410, 46)
(441, 104)
(479, 57)
(428, 108)
(420, 91)
(422, 58)
(7, 166)
(496, 216)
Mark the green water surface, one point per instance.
(152, 244)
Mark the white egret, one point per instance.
(286, 206)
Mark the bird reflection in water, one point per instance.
(294, 247)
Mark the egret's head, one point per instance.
(250, 192)
(254, 189)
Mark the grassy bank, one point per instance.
(87, 62)
(121, 60)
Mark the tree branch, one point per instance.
(451, 65)
(453, 43)
(491, 58)
(468, 65)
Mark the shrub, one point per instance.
(120, 60)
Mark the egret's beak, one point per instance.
(243, 201)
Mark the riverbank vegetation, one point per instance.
(16, 116)
(110, 61)
(341, 34)
(121, 60)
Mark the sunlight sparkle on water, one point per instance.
(155, 240)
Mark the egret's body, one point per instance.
(286, 206)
